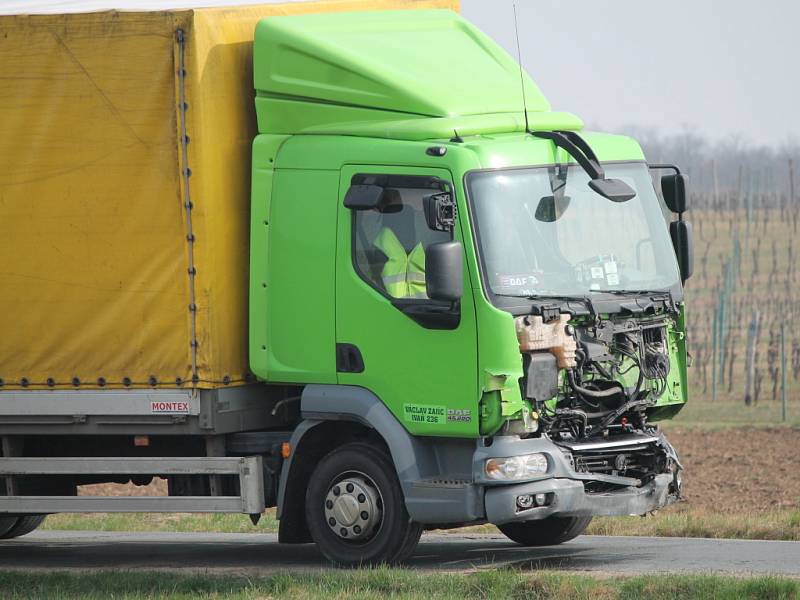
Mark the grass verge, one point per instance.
(681, 521)
(678, 521)
(392, 583)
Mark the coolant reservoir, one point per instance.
(534, 334)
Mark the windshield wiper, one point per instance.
(632, 292)
(544, 297)
(543, 300)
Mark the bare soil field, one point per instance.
(740, 470)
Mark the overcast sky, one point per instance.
(717, 67)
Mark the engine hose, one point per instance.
(593, 393)
(620, 411)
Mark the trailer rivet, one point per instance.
(101, 381)
(2, 382)
(226, 380)
(152, 380)
(126, 381)
(178, 381)
(24, 382)
(51, 382)
(76, 382)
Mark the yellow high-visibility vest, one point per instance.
(403, 275)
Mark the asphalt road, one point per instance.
(260, 554)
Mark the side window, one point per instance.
(390, 242)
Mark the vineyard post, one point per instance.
(714, 359)
(783, 371)
(752, 341)
(792, 207)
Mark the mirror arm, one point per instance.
(577, 148)
(667, 166)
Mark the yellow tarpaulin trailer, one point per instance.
(124, 194)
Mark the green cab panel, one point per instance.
(299, 278)
(426, 377)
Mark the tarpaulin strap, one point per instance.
(187, 197)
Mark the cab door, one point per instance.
(389, 337)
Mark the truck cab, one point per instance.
(471, 287)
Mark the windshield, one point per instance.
(543, 232)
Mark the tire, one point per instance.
(22, 526)
(6, 525)
(359, 477)
(547, 532)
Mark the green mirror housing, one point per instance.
(673, 187)
(444, 274)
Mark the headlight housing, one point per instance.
(515, 468)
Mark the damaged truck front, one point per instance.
(590, 277)
(399, 293)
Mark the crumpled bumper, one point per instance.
(565, 487)
(569, 499)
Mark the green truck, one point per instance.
(462, 308)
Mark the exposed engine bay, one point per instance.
(592, 384)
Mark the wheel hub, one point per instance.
(353, 508)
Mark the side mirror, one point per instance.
(615, 190)
(440, 211)
(681, 234)
(673, 187)
(444, 273)
(364, 197)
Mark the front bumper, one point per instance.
(565, 488)
(569, 499)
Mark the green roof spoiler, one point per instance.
(407, 74)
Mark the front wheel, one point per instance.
(355, 509)
(546, 532)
